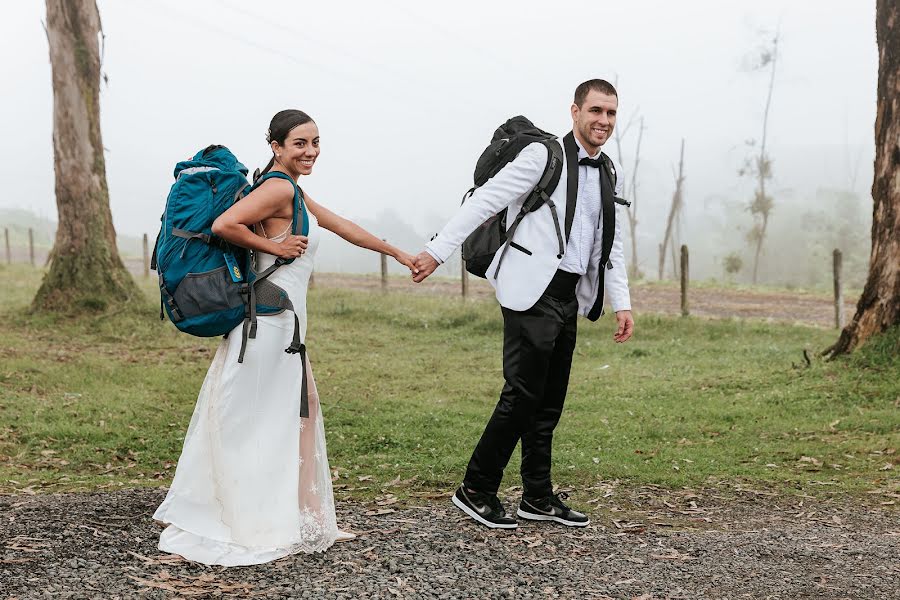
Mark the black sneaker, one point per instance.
(484, 508)
(551, 508)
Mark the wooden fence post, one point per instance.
(8, 252)
(685, 311)
(384, 276)
(146, 256)
(31, 245)
(838, 290)
(465, 277)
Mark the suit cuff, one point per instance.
(434, 255)
(620, 302)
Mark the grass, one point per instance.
(407, 383)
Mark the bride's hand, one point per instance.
(407, 260)
(292, 246)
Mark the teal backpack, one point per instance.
(207, 285)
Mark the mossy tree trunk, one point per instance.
(879, 305)
(85, 270)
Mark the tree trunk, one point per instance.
(86, 271)
(759, 243)
(762, 204)
(879, 306)
(673, 212)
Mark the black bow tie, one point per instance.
(591, 162)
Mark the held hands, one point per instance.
(407, 260)
(625, 328)
(425, 264)
(292, 246)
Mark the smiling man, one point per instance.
(542, 288)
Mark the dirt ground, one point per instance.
(642, 544)
(800, 307)
(720, 303)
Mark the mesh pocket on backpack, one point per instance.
(269, 294)
(208, 292)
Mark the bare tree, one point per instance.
(674, 213)
(629, 190)
(760, 165)
(85, 269)
(879, 306)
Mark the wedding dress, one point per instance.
(253, 484)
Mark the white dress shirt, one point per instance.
(586, 218)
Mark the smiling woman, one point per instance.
(253, 482)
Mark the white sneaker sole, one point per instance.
(459, 504)
(537, 517)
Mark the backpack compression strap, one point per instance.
(539, 196)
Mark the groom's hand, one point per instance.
(625, 326)
(426, 264)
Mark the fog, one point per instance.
(407, 94)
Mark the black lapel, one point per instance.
(571, 179)
(608, 214)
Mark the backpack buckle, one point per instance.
(245, 298)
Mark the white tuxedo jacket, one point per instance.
(530, 265)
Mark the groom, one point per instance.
(541, 292)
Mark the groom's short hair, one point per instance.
(597, 85)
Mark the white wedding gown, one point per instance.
(253, 483)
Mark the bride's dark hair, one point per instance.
(279, 128)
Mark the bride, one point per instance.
(253, 483)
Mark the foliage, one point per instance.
(800, 239)
(733, 263)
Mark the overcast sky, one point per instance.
(406, 94)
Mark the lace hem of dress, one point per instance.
(317, 532)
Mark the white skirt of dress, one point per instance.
(253, 483)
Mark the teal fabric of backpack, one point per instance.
(207, 285)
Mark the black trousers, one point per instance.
(537, 357)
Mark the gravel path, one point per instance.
(665, 545)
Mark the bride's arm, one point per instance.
(355, 234)
(269, 200)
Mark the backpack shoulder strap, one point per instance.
(549, 179)
(553, 170)
(608, 214)
(299, 212)
(610, 170)
(540, 196)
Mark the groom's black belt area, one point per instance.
(562, 286)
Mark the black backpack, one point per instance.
(509, 139)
